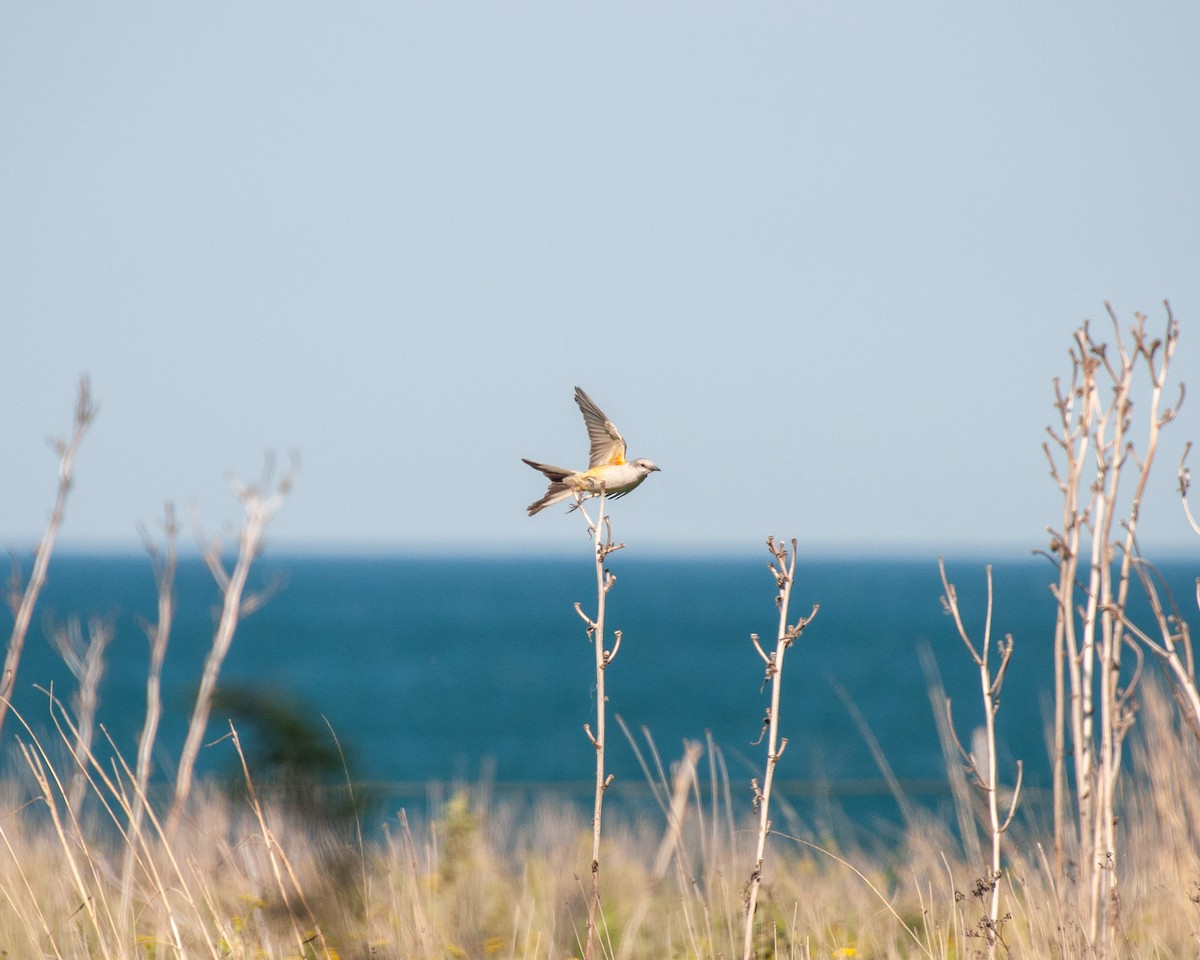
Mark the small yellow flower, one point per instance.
(844, 952)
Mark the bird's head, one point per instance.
(646, 466)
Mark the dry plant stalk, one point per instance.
(783, 568)
(85, 659)
(165, 564)
(23, 601)
(1094, 679)
(260, 502)
(159, 635)
(602, 544)
(987, 779)
(1174, 646)
(1173, 634)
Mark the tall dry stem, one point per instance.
(783, 568)
(23, 601)
(983, 770)
(602, 546)
(260, 502)
(1097, 662)
(164, 563)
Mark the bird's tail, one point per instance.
(558, 492)
(552, 473)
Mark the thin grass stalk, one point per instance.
(655, 781)
(876, 892)
(907, 810)
(69, 841)
(291, 889)
(113, 792)
(140, 852)
(23, 601)
(420, 913)
(960, 788)
(31, 900)
(682, 781)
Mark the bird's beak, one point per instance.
(656, 469)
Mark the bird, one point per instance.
(608, 471)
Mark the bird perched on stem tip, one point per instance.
(608, 471)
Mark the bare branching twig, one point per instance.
(23, 601)
(259, 503)
(983, 770)
(84, 657)
(783, 569)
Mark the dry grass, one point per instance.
(482, 878)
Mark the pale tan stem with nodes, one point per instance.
(783, 567)
(602, 543)
(23, 601)
(986, 779)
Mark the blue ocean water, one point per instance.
(438, 668)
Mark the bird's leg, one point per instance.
(579, 499)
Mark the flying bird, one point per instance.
(608, 471)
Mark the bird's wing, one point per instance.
(608, 446)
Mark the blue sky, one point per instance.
(820, 261)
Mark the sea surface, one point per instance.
(439, 669)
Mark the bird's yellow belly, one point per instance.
(612, 478)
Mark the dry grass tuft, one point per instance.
(480, 878)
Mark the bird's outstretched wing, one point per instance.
(608, 446)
